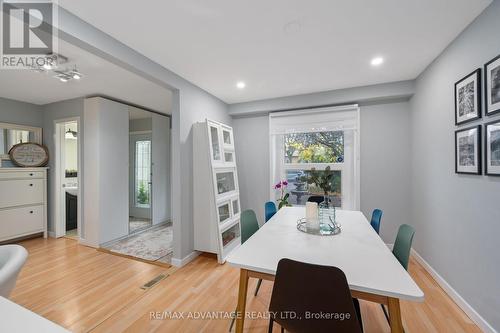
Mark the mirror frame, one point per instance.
(36, 130)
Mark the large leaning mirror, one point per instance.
(12, 134)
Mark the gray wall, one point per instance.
(457, 217)
(190, 104)
(21, 113)
(385, 155)
(43, 116)
(251, 140)
(52, 112)
(385, 164)
(195, 107)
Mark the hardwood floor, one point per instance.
(86, 290)
(77, 286)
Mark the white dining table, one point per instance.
(15, 318)
(372, 271)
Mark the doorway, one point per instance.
(68, 178)
(140, 181)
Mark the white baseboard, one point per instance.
(454, 295)
(181, 262)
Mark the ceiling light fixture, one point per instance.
(70, 134)
(377, 61)
(47, 66)
(62, 76)
(67, 75)
(241, 85)
(75, 74)
(48, 62)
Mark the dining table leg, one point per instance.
(242, 300)
(395, 315)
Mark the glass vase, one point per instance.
(327, 213)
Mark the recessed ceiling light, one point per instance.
(240, 85)
(377, 61)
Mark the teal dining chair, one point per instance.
(249, 225)
(270, 210)
(375, 222)
(402, 249)
(402, 244)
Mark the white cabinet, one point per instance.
(23, 202)
(216, 202)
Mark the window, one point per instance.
(315, 151)
(143, 173)
(316, 147)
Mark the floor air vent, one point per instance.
(154, 281)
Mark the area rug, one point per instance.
(136, 224)
(152, 244)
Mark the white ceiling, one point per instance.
(283, 47)
(100, 78)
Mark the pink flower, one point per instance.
(285, 183)
(277, 186)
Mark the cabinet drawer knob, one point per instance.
(31, 174)
(31, 212)
(31, 184)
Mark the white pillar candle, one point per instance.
(312, 215)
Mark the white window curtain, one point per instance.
(341, 123)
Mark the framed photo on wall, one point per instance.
(468, 150)
(492, 151)
(468, 98)
(492, 86)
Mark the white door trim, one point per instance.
(59, 198)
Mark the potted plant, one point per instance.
(283, 200)
(324, 179)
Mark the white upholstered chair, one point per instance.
(12, 259)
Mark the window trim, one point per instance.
(356, 147)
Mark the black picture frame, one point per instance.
(487, 93)
(477, 96)
(479, 150)
(487, 171)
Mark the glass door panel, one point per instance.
(225, 182)
(227, 137)
(228, 157)
(215, 144)
(230, 234)
(224, 213)
(236, 206)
